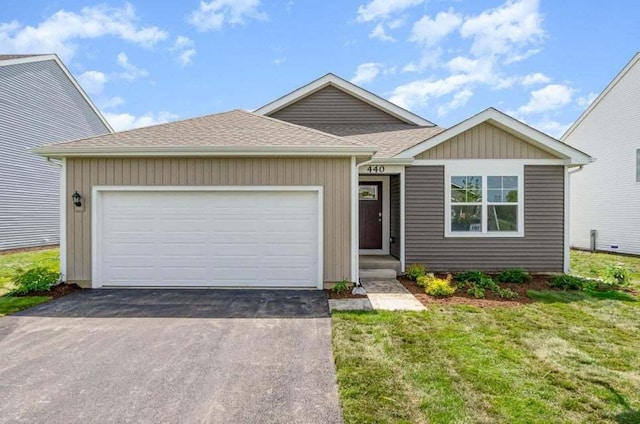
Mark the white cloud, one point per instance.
(131, 72)
(184, 48)
(367, 72)
(213, 15)
(126, 121)
(60, 32)
(430, 31)
(504, 30)
(420, 92)
(380, 33)
(535, 78)
(93, 82)
(551, 127)
(549, 98)
(585, 101)
(382, 9)
(111, 102)
(460, 99)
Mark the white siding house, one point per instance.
(605, 196)
(40, 103)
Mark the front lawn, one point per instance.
(567, 358)
(587, 264)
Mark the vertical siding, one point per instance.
(333, 174)
(485, 141)
(541, 250)
(605, 195)
(394, 199)
(330, 105)
(38, 105)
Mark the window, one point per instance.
(638, 166)
(487, 205)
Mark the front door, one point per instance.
(370, 206)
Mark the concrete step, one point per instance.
(378, 274)
(379, 262)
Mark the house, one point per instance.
(292, 194)
(605, 196)
(40, 102)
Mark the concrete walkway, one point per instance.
(390, 295)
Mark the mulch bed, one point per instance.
(60, 290)
(344, 295)
(538, 282)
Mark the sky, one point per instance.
(144, 62)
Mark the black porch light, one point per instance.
(76, 198)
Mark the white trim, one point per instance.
(96, 217)
(444, 162)
(355, 257)
(634, 60)
(392, 161)
(349, 88)
(386, 214)
(56, 59)
(483, 170)
(567, 234)
(63, 220)
(402, 221)
(119, 151)
(510, 125)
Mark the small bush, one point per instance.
(569, 282)
(475, 291)
(341, 286)
(438, 287)
(514, 275)
(506, 293)
(476, 278)
(34, 279)
(617, 274)
(416, 271)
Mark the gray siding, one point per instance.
(331, 173)
(330, 105)
(541, 250)
(394, 199)
(38, 105)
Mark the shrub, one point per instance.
(569, 282)
(416, 271)
(34, 279)
(475, 291)
(476, 278)
(506, 293)
(341, 286)
(514, 275)
(438, 287)
(617, 274)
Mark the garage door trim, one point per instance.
(96, 236)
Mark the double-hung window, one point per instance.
(484, 203)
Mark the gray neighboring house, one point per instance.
(306, 190)
(40, 102)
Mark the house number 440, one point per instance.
(376, 169)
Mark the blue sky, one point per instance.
(145, 62)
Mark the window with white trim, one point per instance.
(484, 204)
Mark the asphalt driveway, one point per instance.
(170, 356)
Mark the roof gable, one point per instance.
(594, 104)
(350, 89)
(485, 141)
(509, 125)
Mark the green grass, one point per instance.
(49, 258)
(587, 264)
(9, 305)
(570, 357)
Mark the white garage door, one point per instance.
(208, 239)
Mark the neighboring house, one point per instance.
(40, 102)
(291, 194)
(605, 196)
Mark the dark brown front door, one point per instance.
(370, 206)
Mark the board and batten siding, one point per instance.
(394, 221)
(331, 105)
(485, 141)
(540, 250)
(331, 173)
(39, 105)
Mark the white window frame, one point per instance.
(484, 169)
(638, 166)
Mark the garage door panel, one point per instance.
(209, 238)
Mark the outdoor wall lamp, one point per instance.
(76, 198)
